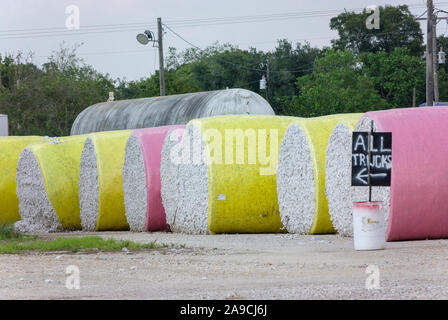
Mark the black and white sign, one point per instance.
(380, 147)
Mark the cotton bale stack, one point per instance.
(47, 185)
(101, 182)
(301, 175)
(141, 178)
(11, 148)
(416, 200)
(226, 175)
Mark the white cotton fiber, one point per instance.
(295, 182)
(338, 179)
(36, 210)
(134, 185)
(88, 187)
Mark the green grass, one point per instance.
(73, 244)
(7, 232)
(12, 242)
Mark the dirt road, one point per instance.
(281, 266)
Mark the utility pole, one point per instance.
(432, 74)
(435, 60)
(429, 54)
(267, 80)
(161, 67)
(413, 98)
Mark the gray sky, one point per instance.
(119, 54)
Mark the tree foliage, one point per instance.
(398, 29)
(46, 101)
(337, 85)
(395, 75)
(364, 70)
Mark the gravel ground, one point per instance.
(274, 266)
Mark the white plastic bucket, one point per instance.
(369, 232)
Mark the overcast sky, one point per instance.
(118, 53)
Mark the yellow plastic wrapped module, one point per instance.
(350, 120)
(59, 161)
(10, 149)
(242, 159)
(317, 132)
(109, 148)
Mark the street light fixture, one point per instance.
(148, 36)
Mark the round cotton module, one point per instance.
(186, 167)
(169, 169)
(301, 175)
(141, 179)
(11, 148)
(418, 190)
(227, 176)
(338, 177)
(101, 182)
(47, 185)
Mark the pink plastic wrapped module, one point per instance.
(151, 142)
(419, 181)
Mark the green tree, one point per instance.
(395, 75)
(175, 83)
(337, 85)
(398, 29)
(46, 101)
(223, 66)
(286, 64)
(226, 66)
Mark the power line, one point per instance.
(51, 32)
(88, 27)
(182, 23)
(278, 71)
(234, 64)
(195, 46)
(100, 53)
(107, 28)
(123, 27)
(67, 33)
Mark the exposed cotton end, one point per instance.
(36, 210)
(338, 179)
(185, 182)
(362, 193)
(192, 215)
(295, 182)
(134, 185)
(169, 171)
(88, 187)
